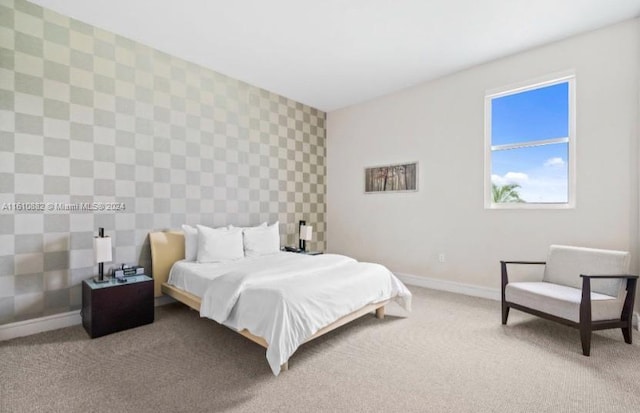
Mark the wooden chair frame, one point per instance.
(586, 324)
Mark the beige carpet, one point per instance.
(451, 355)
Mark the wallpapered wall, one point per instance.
(87, 116)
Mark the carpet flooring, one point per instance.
(451, 355)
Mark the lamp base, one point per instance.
(97, 280)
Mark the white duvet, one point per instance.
(285, 298)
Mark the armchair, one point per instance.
(569, 296)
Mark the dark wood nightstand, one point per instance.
(112, 306)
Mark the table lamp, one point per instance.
(306, 232)
(102, 251)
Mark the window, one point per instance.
(530, 145)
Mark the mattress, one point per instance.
(195, 277)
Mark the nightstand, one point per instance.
(112, 306)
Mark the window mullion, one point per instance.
(529, 144)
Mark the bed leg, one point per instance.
(380, 313)
(285, 366)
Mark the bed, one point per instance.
(279, 301)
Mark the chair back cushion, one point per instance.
(565, 264)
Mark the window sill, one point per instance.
(531, 205)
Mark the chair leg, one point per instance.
(585, 337)
(627, 310)
(626, 332)
(585, 316)
(505, 313)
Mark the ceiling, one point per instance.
(334, 53)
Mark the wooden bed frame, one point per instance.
(168, 247)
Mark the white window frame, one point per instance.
(553, 79)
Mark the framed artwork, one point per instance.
(391, 178)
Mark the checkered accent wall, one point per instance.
(89, 116)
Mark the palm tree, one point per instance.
(506, 193)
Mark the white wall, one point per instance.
(440, 124)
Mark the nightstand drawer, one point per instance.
(112, 307)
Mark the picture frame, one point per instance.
(402, 177)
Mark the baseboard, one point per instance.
(450, 286)
(39, 325)
(53, 322)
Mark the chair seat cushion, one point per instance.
(562, 301)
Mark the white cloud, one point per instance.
(510, 178)
(542, 184)
(554, 162)
(545, 189)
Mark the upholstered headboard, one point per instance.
(166, 248)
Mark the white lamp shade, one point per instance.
(306, 231)
(102, 249)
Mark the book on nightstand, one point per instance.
(128, 271)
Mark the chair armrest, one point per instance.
(505, 276)
(523, 262)
(586, 282)
(620, 276)
(585, 302)
(503, 267)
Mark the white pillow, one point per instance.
(262, 240)
(217, 245)
(190, 242)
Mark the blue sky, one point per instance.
(538, 114)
